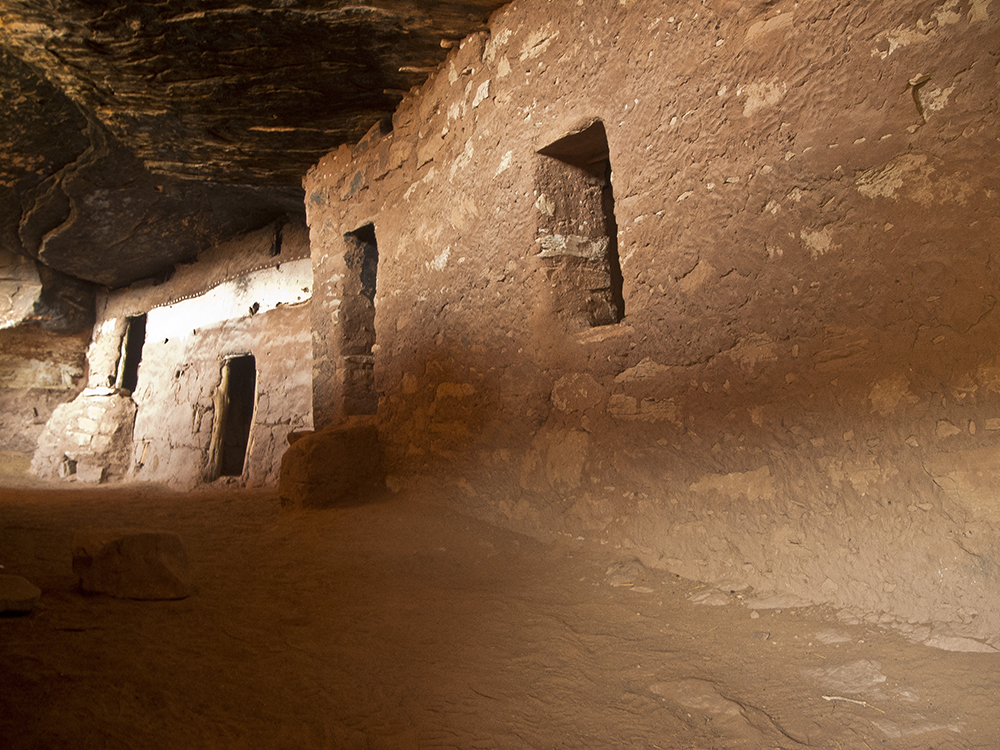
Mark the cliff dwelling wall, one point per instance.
(798, 390)
(157, 405)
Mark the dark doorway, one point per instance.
(132, 343)
(357, 309)
(238, 391)
(577, 229)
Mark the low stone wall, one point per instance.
(89, 439)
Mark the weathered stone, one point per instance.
(131, 563)
(17, 594)
(66, 468)
(576, 392)
(117, 121)
(73, 444)
(339, 466)
(90, 473)
(75, 198)
(35, 301)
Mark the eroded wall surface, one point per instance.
(39, 371)
(803, 395)
(249, 296)
(40, 368)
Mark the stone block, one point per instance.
(100, 444)
(17, 594)
(338, 466)
(90, 473)
(131, 563)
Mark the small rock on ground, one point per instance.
(17, 595)
(131, 563)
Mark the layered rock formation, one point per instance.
(110, 114)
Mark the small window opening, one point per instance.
(357, 310)
(235, 404)
(277, 238)
(131, 355)
(577, 230)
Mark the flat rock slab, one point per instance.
(17, 595)
(131, 563)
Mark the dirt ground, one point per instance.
(402, 624)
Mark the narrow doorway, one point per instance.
(235, 406)
(131, 354)
(357, 312)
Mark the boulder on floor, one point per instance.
(131, 563)
(339, 466)
(17, 595)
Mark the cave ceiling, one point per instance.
(133, 135)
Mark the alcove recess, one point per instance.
(357, 319)
(577, 234)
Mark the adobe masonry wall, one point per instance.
(180, 376)
(804, 394)
(239, 298)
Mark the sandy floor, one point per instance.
(401, 624)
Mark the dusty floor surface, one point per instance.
(401, 624)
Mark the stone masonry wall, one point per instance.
(803, 395)
(88, 439)
(248, 296)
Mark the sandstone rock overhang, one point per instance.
(135, 133)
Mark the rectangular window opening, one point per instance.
(357, 310)
(131, 356)
(577, 229)
(238, 395)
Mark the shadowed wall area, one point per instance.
(803, 396)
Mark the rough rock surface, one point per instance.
(75, 198)
(39, 370)
(249, 93)
(109, 113)
(131, 563)
(17, 595)
(35, 295)
(341, 465)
